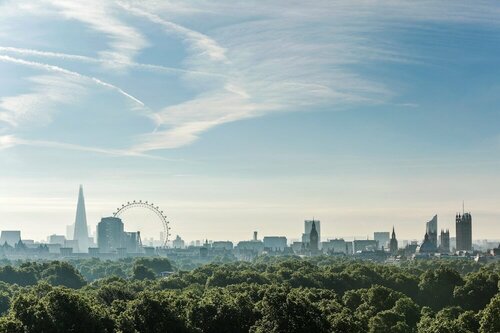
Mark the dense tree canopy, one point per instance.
(271, 294)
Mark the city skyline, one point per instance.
(235, 117)
(81, 219)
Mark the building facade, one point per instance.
(383, 238)
(444, 241)
(110, 234)
(431, 228)
(275, 243)
(463, 224)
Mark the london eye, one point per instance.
(160, 215)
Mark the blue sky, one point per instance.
(240, 116)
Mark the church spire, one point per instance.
(81, 232)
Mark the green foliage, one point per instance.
(288, 311)
(490, 317)
(437, 286)
(150, 313)
(271, 294)
(142, 272)
(477, 291)
(63, 274)
(47, 309)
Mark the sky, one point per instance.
(235, 116)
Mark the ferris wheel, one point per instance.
(165, 224)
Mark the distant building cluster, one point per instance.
(113, 241)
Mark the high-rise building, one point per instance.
(431, 228)
(383, 238)
(393, 246)
(307, 230)
(11, 237)
(463, 224)
(313, 238)
(81, 231)
(110, 234)
(444, 240)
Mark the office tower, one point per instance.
(110, 234)
(255, 236)
(393, 246)
(463, 224)
(313, 238)
(81, 231)
(11, 237)
(383, 238)
(431, 230)
(444, 241)
(307, 230)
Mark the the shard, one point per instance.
(81, 232)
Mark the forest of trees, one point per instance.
(269, 295)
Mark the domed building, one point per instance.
(427, 246)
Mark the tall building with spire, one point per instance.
(313, 239)
(393, 244)
(463, 224)
(81, 233)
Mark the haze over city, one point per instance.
(235, 118)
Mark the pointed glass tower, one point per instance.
(81, 232)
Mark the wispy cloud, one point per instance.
(282, 57)
(126, 42)
(247, 61)
(199, 42)
(38, 106)
(9, 141)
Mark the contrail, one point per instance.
(86, 59)
(52, 68)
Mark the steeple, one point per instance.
(393, 244)
(81, 232)
(313, 239)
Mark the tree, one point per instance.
(59, 273)
(436, 287)
(59, 310)
(141, 272)
(288, 311)
(477, 291)
(490, 318)
(222, 311)
(151, 313)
